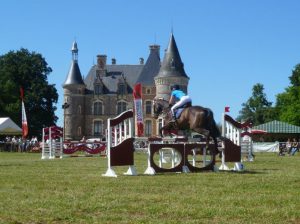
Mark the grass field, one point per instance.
(72, 190)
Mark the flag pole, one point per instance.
(24, 117)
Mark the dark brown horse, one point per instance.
(196, 118)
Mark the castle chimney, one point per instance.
(154, 47)
(101, 61)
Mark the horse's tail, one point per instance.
(214, 130)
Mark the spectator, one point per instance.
(288, 146)
(83, 139)
(8, 139)
(282, 147)
(24, 144)
(20, 144)
(14, 144)
(294, 147)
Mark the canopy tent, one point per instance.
(8, 127)
(276, 131)
(278, 127)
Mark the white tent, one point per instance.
(8, 127)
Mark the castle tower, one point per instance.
(74, 103)
(171, 72)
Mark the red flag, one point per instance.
(137, 91)
(24, 118)
(227, 109)
(137, 95)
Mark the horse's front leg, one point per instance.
(163, 129)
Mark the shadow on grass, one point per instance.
(246, 172)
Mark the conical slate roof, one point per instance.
(151, 67)
(74, 76)
(172, 64)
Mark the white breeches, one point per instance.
(182, 101)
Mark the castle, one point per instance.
(107, 90)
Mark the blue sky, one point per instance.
(227, 46)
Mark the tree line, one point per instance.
(286, 108)
(30, 71)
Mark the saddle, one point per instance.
(186, 105)
(179, 110)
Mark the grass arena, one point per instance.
(76, 190)
(73, 190)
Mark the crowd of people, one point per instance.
(290, 147)
(18, 144)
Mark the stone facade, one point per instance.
(107, 91)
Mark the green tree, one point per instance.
(28, 70)
(288, 102)
(257, 108)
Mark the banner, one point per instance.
(138, 107)
(24, 118)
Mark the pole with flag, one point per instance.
(24, 118)
(137, 95)
(226, 110)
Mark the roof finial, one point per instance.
(74, 50)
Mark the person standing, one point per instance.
(288, 146)
(294, 147)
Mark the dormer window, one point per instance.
(122, 88)
(98, 89)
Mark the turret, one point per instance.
(74, 90)
(171, 72)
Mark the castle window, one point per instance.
(148, 91)
(79, 131)
(98, 89)
(98, 108)
(148, 128)
(98, 128)
(159, 125)
(79, 109)
(148, 107)
(121, 107)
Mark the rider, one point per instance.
(179, 97)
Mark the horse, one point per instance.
(195, 118)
